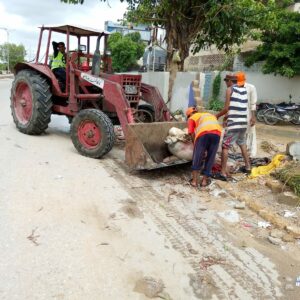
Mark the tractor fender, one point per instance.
(42, 69)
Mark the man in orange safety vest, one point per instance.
(205, 131)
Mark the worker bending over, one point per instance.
(205, 131)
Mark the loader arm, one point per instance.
(152, 95)
(114, 94)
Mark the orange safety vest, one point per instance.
(205, 122)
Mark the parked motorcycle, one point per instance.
(260, 110)
(262, 107)
(290, 113)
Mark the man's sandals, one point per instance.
(220, 176)
(208, 182)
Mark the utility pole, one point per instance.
(7, 54)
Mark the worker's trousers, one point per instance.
(206, 147)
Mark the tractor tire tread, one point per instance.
(107, 128)
(42, 102)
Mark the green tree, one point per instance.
(15, 53)
(200, 23)
(125, 50)
(280, 49)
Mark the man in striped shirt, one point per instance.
(236, 108)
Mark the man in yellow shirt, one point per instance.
(58, 63)
(205, 131)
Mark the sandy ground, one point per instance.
(77, 228)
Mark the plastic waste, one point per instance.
(288, 214)
(263, 224)
(230, 216)
(264, 170)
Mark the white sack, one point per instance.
(182, 150)
(179, 144)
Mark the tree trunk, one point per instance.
(176, 40)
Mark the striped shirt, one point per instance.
(238, 108)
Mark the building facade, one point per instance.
(144, 30)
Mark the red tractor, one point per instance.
(91, 97)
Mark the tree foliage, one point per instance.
(280, 49)
(16, 53)
(201, 23)
(125, 50)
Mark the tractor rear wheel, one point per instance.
(92, 133)
(31, 103)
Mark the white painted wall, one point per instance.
(270, 88)
(158, 79)
(180, 95)
(275, 89)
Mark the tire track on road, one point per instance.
(245, 275)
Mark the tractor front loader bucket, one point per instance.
(145, 145)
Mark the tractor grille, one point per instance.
(132, 88)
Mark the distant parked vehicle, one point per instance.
(286, 113)
(154, 59)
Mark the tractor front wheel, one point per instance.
(31, 102)
(92, 133)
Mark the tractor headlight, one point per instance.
(130, 89)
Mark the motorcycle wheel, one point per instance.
(296, 118)
(260, 115)
(271, 117)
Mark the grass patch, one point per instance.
(289, 174)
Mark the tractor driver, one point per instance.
(58, 64)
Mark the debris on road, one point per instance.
(18, 146)
(288, 238)
(33, 238)
(119, 133)
(274, 241)
(269, 147)
(288, 214)
(149, 286)
(294, 231)
(288, 198)
(293, 149)
(289, 287)
(208, 261)
(263, 224)
(241, 205)
(103, 244)
(216, 192)
(132, 211)
(275, 186)
(276, 233)
(230, 216)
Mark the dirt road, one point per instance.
(77, 228)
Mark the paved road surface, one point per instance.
(77, 228)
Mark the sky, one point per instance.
(22, 18)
